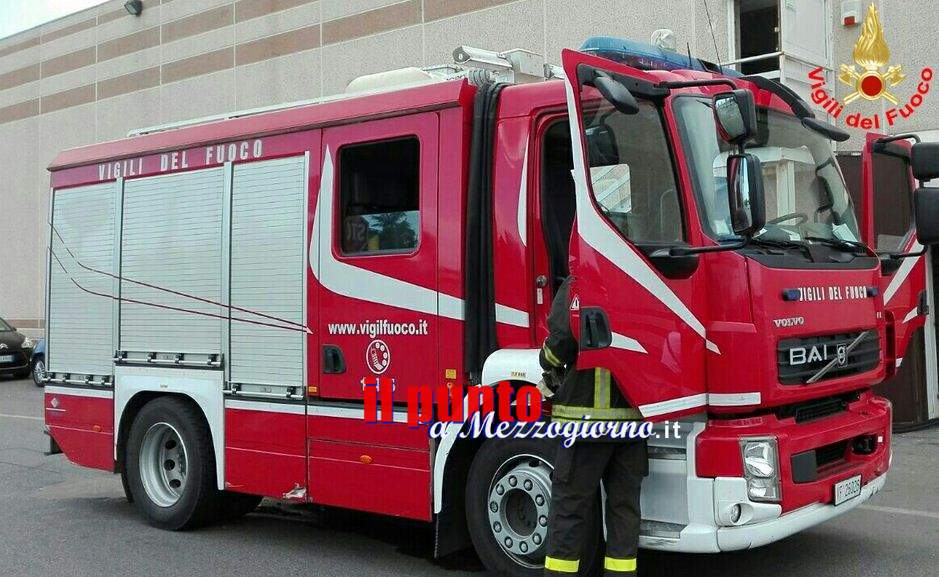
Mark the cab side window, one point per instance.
(892, 193)
(379, 184)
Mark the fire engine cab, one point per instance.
(219, 289)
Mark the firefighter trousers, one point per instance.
(577, 474)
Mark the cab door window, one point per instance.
(631, 173)
(379, 185)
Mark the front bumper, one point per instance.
(758, 534)
(687, 511)
(718, 449)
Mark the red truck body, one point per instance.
(701, 345)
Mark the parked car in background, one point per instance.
(38, 363)
(16, 351)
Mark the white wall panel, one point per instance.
(172, 227)
(267, 270)
(80, 323)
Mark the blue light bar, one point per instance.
(647, 57)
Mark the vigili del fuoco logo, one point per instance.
(872, 77)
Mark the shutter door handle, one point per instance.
(333, 361)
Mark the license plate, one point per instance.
(847, 489)
(6, 358)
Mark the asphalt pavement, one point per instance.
(60, 520)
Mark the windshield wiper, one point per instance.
(777, 242)
(842, 243)
(780, 244)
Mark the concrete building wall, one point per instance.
(909, 29)
(94, 75)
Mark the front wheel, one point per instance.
(170, 465)
(39, 372)
(508, 499)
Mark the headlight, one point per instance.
(759, 457)
(761, 468)
(28, 343)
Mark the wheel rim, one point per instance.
(163, 464)
(40, 371)
(519, 500)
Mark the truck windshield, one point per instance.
(806, 197)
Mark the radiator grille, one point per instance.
(800, 359)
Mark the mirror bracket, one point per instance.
(902, 255)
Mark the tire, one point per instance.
(125, 483)
(521, 513)
(170, 465)
(39, 371)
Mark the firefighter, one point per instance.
(589, 396)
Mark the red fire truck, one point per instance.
(219, 290)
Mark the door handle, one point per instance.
(333, 361)
(594, 329)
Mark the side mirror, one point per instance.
(615, 93)
(926, 213)
(924, 159)
(735, 115)
(745, 194)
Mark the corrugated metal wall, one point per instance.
(81, 325)
(267, 270)
(172, 228)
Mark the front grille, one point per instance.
(830, 454)
(819, 409)
(816, 408)
(800, 359)
(806, 467)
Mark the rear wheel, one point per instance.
(170, 465)
(508, 498)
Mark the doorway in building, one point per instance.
(757, 32)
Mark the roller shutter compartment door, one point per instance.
(172, 238)
(80, 323)
(267, 271)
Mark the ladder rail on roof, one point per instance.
(513, 66)
(265, 109)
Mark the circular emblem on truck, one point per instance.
(377, 356)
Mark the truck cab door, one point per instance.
(628, 316)
(887, 226)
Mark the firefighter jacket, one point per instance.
(584, 395)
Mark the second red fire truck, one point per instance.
(219, 290)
